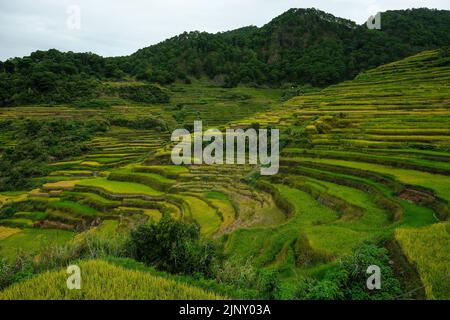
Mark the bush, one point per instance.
(11, 272)
(141, 93)
(325, 290)
(348, 280)
(295, 91)
(237, 273)
(268, 283)
(6, 273)
(144, 123)
(172, 246)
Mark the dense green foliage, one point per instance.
(50, 77)
(11, 273)
(39, 142)
(302, 46)
(348, 281)
(147, 122)
(172, 246)
(140, 93)
(305, 46)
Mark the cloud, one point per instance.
(118, 27)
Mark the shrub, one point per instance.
(141, 93)
(172, 246)
(325, 290)
(11, 272)
(6, 273)
(237, 273)
(268, 283)
(348, 280)
(145, 123)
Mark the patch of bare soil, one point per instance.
(47, 224)
(416, 196)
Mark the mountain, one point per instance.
(301, 46)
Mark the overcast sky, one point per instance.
(120, 27)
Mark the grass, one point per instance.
(373, 217)
(153, 214)
(118, 187)
(6, 232)
(103, 281)
(91, 198)
(204, 215)
(74, 207)
(439, 183)
(17, 222)
(429, 249)
(416, 216)
(167, 171)
(107, 229)
(60, 185)
(311, 219)
(32, 241)
(223, 204)
(321, 225)
(152, 180)
(91, 164)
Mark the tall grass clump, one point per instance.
(172, 246)
(428, 249)
(93, 244)
(103, 281)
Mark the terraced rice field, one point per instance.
(100, 282)
(363, 160)
(120, 177)
(32, 241)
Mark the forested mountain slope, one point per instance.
(300, 47)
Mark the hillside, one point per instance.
(366, 160)
(300, 47)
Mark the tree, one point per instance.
(172, 246)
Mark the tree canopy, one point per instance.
(301, 47)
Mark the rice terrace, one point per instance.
(87, 178)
